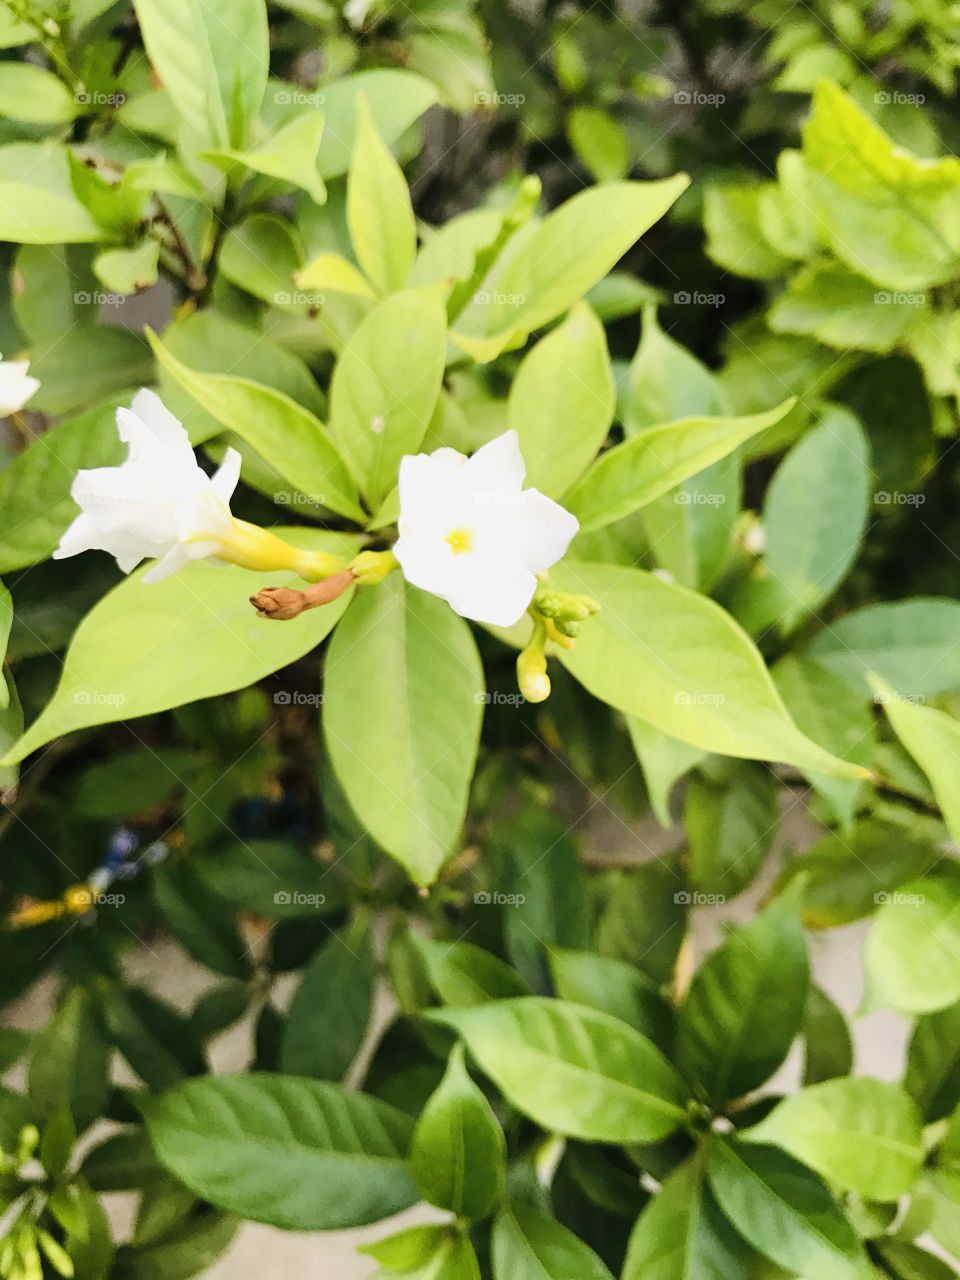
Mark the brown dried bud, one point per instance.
(284, 603)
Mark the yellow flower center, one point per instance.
(460, 541)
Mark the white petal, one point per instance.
(491, 589)
(227, 475)
(151, 410)
(427, 482)
(497, 467)
(545, 530)
(175, 559)
(426, 562)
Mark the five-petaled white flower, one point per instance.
(159, 503)
(472, 535)
(16, 385)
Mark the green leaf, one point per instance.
(834, 715)
(745, 1005)
(526, 1245)
(269, 878)
(889, 216)
(124, 1162)
(458, 1154)
(815, 514)
(212, 58)
(462, 974)
(645, 917)
(189, 1248)
(904, 1261)
(562, 400)
(631, 474)
(395, 99)
(157, 1041)
(289, 154)
(666, 382)
(664, 760)
(614, 987)
(380, 218)
(682, 1235)
(678, 661)
(731, 824)
(146, 647)
(37, 200)
(261, 1145)
(862, 1135)
(401, 718)
(426, 1253)
(933, 1063)
(128, 270)
(328, 1016)
(735, 240)
(550, 265)
(909, 643)
(933, 739)
(912, 953)
(69, 1063)
(573, 1070)
(262, 254)
(385, 387)
(833, 305)
(195, 918)
(785, 1211)
(828, 1047)
(599, 142)
(287, 436)
(32, 94)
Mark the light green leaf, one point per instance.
(664, 760)
(401, 717)
(632, 474)
(666, 382)
(933, 739)
(462, 974)
(425, 1253)
(128, 270)
(863, 1135)
(677, 660)
(573, 1070)
(614, 987)
(212, 57)
(909, 643)
(815, 513)
(912, 953)
(830, 303)
(526, 1245)
(785, 1211)
(261, 1145)
(37, 200)
(30, 93)
(289, 154)
(889, 216)
(262, 255)
(338, 275)
(561, 402)
(458, 1154)
(146, 647)
(395, 99)
(599, 142)
(682, 1235)
(731, 218)
(385, 387)
(380, 217)
(287, 436)
(785, 209)
(745, 1005)
(550, 265)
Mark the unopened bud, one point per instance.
(532, 678)
(283, 603)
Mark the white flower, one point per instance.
(471, 535)
(16, 386)
(159, 503)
